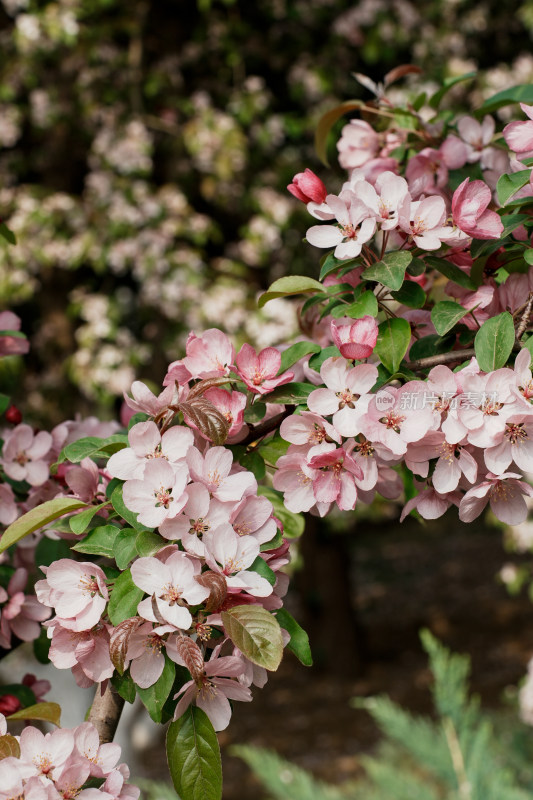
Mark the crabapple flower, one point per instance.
(85, 652)
(423, 220)
(356, 339)
(470, 214)
(307, 187)
(232, 405)
(23, 613)
(346, 394)
(213, 471)
(145, 652)
(170, 585)
(212, 691)
(76, 590)
(146, 402)
(146, 444)
(430, 504)
(516, 445)
(308, 428)
(519, 135)
(11, 345)
(358, 144)
(337, 471)
(394, 418)
(160, 494)
(44, 754)
(199, 516)
(209, 355)
(453, 461)
(101, 758)
(357, 225)
(23, 455)
(504, 492)
(8, 506)
(295, 479)
(231, 554)
(259, 371)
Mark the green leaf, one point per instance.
(99, 541)
(273, 544)
(325, 124)
(23, 693)
(7, 234)
(390, 271)
(92, 446)
(522, 93)
(494, 342)
(431, 345)
(291, 284)
(509, 184)
(291, 394)
(293, 524)
(38, 517)
(446, 314)
(125, 547)
(294, 353)
(148, 543)
(117, 502)
(332, 264)
(255, 463)
(411, 295)
(366, 304)
(255, 413)
(299, 641)
(41, 647)
(394, 336)
(435, 99)
(261, 568)
(124, 599)
(451, 271)
(315, 362)
(4, 402)
(125, 686)
(193, 756)
(529, 344)
(50, 550)
(80, 522)
(155, 696)
(256, 633)
(46, 712)
(273, 448)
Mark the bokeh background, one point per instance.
(145, 149)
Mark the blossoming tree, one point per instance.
(148, 557)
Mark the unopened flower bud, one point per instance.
(9, 704)
(307, 187)
(13, 415)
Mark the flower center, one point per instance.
(347, 398)
(348, 231)
(154, 643)
(215, 477)
(157, 453)
(365, 449)
(163, 497)
(171, 594)
(88, 584)
(490, 407)
(392, 421)
(515, 432)
(199, 526)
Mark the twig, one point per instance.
(258, 431)
(524, 319)
(443, 358)
(105, 712)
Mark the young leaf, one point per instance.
(207, 418)
(155, 696)
(118, 644)
(390, 271)
(332, 264)
(46, 712)
(9, 746)
(80, 522)
(509, 184)
(451, 271)
(494, 342)
(446, 314)
(325, 124)
(394, 336)
(118, 504)
(193, 756)
(299, 641)
(99, 541)
(291, 394)
(261, 567)
(40, 515)
(256, 633)
(434, 100)
(125, 547)
(366, 304)
(291, 284)
(294, 353)
(411, 295)
(125, 597)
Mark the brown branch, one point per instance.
(258, 431)
(443, 358)
(525, 317)
(105, 712)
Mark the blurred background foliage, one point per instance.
(144, 153)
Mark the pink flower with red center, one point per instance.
(355, 340)
(213, 470)
(453, 461)
(85, 481)
(259, 371)
(199, 516)
(209, 355)
(145, 401)
(357, 224)
(308, 428)
(100, 758)
(504, 492)
(470, 213)
(147, 444)
(396, 417)
(515, 445)
(522, 386)
(423, 221)
(146, 655)
(358, 144)
(76, 590)
(23, 455)
(160, 495)
(171, 586)
(337, 471)
(307, 187)
(212, 691)
(486, 403)
(85, 652)
(44, 754)
(231, 555)
(426, 172)
(295, 478)
(346, 394)
(23, 613)
(519, 135)
(10, 343)
(252, 516)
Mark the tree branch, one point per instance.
(258, 431)
(443, 358)
(105, 712)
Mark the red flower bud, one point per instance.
(307, 187)
(13, 415)
(9, 704)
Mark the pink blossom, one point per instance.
(168, 584)
(307, 187)
(295, 479)
(345, 395)
(198, 517)
(337, 471)
(8, 507)
(423, 221)
(146, 444)
(145, 401)
(308, 428)
(23, 455)
(396, 417)
(453, 461)
(515, 445)
(145, 652)
(259, 370)
(213, 471)
(253, 517)
(504, 492)
(232, 405)
(84, 481)
(85, 652)
(231, 554)
(426, 172)
(476, 135)
(470, 214)
(44, 754)
(356, 226)
(160, 494)
(519, 135)
(393, 190)
(454, 152)
(11, 345)
(76, 590)
(101, 758)
(358, 144)
(430, 504)
(23, 613)
(116, 788)
(356, 340)
(486, 404)
(209, 355)
(212, 691)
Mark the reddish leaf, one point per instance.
(118, 645)
(47, 712)
(202, 386)
(398, 72)
(207, 418)
(9, 747)
(218, 589)
(191, 655)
